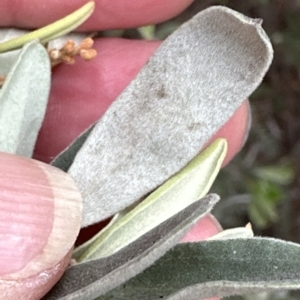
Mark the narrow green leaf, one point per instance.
(181, 190)
(79, 251)
(64, 160)
(263, 206)
(216, 268)
(281, 173)
(52, 31)
(186, 92)
(90, 279)
(23, 100)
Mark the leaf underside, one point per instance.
(188, 89)
(219, 52)
(91, 279)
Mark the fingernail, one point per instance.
(40, 218)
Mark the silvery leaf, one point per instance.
(216, 268)
(23, 100)
(9, 58)
(187, 186)
(189, 88)
(91, 279)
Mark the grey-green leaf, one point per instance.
(9, 58)
(189, 88)
(90, 279)
(180, 191)
(216, 268)
(64, 160)
(23, 100)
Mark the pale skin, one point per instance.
(99, 82)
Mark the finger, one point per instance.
(108, 14)
(205, 228)
(235, 131)
(36, 202)
(82, 92)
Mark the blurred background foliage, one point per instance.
(261, 185)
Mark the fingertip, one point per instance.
(36, 286)
(107, 15)
(39, 205)
(204, 228)
(235, 131)
(133, 13)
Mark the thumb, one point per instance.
(40, 215)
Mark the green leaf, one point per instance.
(23, 100)
(64, 160)
(181, 190)
(147, 32)
(263, 206)
(164, 30)
(79, 251)
(281, 173)
(216, 268)
(187, 91)
(90, 279)
(52, 31)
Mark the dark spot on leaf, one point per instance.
(251, 67)
(194, 126)
(161, 93)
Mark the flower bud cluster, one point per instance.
(69, 51)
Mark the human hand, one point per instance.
(81, 93)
